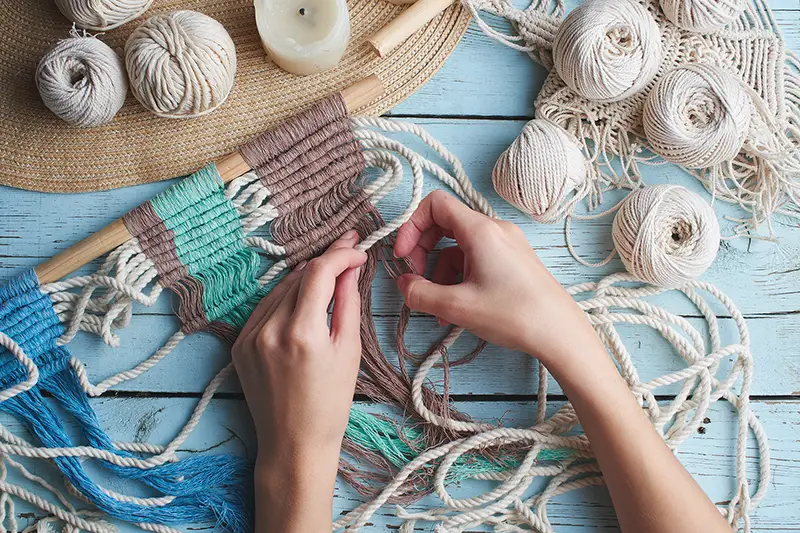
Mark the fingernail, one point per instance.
(350, 235)
(358, 273)
(442, 323)
(402, 281)
(300, 266)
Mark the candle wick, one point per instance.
(302, 11)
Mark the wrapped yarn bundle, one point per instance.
(607, 50)
(181, 64)
(82, 81)
(102, 15)
(702, 15)
(666, 235)
(697, 116)
(539, 169)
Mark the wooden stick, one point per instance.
(230, 167)
(406, 24)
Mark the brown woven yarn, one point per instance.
(40, 152)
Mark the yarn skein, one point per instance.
(102, 15)
(537, 171)
(697, 116)
(666, 235)
(702, 15)
(607, 50)
(180, 64)
(82, 81)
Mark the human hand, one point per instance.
(507, 296)
(298, 376)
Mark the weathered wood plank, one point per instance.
(709, 457)
(763, 277)
(497, 371)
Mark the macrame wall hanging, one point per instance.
(709, 87)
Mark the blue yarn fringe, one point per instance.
(209, 489)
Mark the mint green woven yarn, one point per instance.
(209, 242)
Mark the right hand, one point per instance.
(507, 296)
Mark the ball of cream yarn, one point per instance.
(697, 116)
(607, 50)
(102, 15)
(702, 15)
(82, 81)
(666, 235)
(181, 64)
(539, 169)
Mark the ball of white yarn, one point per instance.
(607, 50)
(697, 116)
(666, 235)
(102, 15)
(539, 169)
(702, 15)
(180, 64)
(82, 81)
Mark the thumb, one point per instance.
(443, 301)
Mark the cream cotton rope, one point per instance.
(666, 235)
(697, 116)
(82, 81)
(702, 15)
(540, 168)
(102, 15)
(180, 64)
(700, 381)
(607, 50)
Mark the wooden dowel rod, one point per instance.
(406, 24)
(230, 167)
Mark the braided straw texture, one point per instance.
(40, 152)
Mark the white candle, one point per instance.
(303, 36)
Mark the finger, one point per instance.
(449, 266)
(438, 209)
(319, 281)
(347, 240)
(346, 317)
(269, 302)
(427, 242)
(446, 302)
(282, 313)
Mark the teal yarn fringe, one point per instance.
(401, 445)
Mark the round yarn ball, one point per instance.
(666, 235)
(180, 64)
(102, 15)
(702, 15)
(607, 50)
(82, 81)
(697, 116)
(539, 169)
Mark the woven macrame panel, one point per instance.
(40, 152)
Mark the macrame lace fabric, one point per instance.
(763, 179)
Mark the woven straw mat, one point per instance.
(40, 152)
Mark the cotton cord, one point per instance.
(181, 64)
(701, 380)
(539, 169)
(82, 81)
(666, 235)
(702, 15)
(697, 116)
(102, 15)
(607, 50)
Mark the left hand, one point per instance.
(298, 376)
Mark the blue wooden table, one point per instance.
(476, 105)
